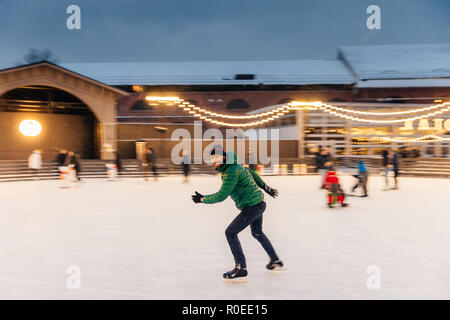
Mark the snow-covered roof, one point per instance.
(398, 61)
(294, 72)
(404, 83)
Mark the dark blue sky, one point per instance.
(192, 30)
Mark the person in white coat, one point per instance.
(35, 162)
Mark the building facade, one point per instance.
(98, 109)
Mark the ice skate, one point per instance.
(275, 265)
(237, 275)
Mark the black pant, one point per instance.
(249, 216)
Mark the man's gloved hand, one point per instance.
(272, 192)
(197, 197)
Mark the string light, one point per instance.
(386, 121)
(164, 99)
(388, 113)
(300, 105)
(427, 138)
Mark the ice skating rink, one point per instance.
(147, 240)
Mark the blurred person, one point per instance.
(118, 163)
(385, 154)
(242, 185)
(35, 162)
(334, 188)
(61, 157)
(72, 159)
(392, 165)
(252, 162)
(362, 176)
(150, 156)
(322, 157)
(186, 162)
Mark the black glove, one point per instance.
(272, 192)
(197, 197)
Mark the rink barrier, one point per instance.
(11, 170)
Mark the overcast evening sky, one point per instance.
(199, 30)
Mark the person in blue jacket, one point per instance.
(363, 177)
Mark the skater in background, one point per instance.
(61, 157)
(242, 185)
(186, 162)
(252, 162)
(151, 163)
(334, 188)
(322, 157)
(118, 163)
(362, 176)
(392, 165)
(385, 154)
(35, 162)
(73, 160)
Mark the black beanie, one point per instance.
(218, 150)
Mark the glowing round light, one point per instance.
(30, 128)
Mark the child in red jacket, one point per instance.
(334, 189)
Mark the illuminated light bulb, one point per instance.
(30, 128)
(151, 98)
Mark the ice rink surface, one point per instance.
(147, 240)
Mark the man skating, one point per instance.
(242, 184)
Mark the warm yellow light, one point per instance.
(30, 128)
(151, 98)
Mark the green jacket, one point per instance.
(238, 182)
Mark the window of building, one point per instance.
(238, 104)
(336, 100)
(244, 76)
(284, 101)
(192, 101)
(141, 105)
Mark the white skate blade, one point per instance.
(276, 269)
(236, 280)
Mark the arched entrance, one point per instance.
(98, 98)
(63, 122)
